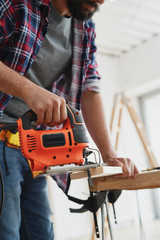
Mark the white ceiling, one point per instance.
(122, 25)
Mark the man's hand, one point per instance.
(129, 168)
(49, 108)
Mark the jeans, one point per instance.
(26, 211)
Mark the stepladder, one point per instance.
(121, 101)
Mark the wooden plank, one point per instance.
(97, 172)
(119, 124)
(144, 180)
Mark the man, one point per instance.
(47, 54)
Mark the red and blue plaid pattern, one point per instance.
(84, 66)
(23, 24)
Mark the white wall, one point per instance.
(129, 142)
(141, 65)
(136, 73)
(140, 74)
(109, 69)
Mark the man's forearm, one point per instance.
(50, 108)
(93, 113)
(13, 83)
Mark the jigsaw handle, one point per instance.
(74, 116)
(77, 125)
(74, 120)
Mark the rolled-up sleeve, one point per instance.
(92, 77)
(6, 24)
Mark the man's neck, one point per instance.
(61, 7)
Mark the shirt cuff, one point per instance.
(92, 85)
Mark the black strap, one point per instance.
(2, 191)
(92, 204)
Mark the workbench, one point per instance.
(104, 179)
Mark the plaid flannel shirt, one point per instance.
(23, 25)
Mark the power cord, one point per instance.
(2, 191)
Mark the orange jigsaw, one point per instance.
(47, 148)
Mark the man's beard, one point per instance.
(78, 11)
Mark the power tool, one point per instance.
(55, 150)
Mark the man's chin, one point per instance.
(81, 12)
(83, 16)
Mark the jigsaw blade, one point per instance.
(68, 168)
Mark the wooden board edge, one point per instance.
(144, 180)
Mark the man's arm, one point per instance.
(93, 113)
(49, 108)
